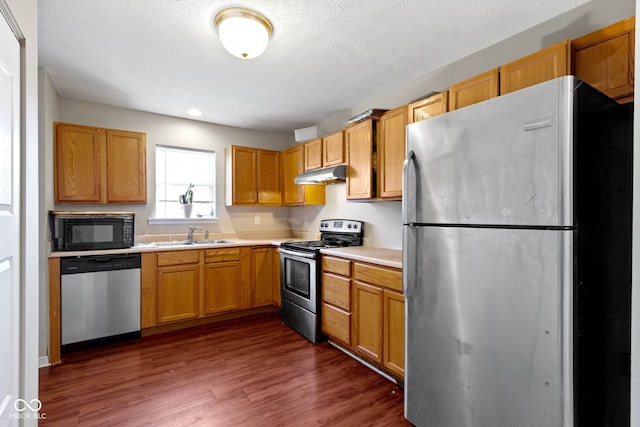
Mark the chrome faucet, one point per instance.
(190, 232)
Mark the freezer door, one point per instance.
(505, 161)
(488, 327)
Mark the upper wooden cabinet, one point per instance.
(429, 107)
(95, 165)
(313, 154)
(333, 149)
(360, 147)
(546, 64)
(294, 194)
(476, 89)
(605, 59)
(391, 152)
(252, 176)
(324, 152)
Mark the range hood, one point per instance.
(330, 175)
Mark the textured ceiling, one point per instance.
(325, 56)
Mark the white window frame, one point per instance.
(203, 210)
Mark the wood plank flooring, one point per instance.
(253, 372)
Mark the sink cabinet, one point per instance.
(177, 286)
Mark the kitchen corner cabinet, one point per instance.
(363, 311)
(252, 177)
(605, 59)
(96, 165)
(360, 147)
(473, 90)
(293, 194)
(391, 153)
(177, 286)
(545, 64)
(431, 106)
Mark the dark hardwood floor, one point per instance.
(253, 372)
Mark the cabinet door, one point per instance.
(313, 154)
(263, 277)
(333, 149)
(391, 152)
(221, 287)
(476, 89)
(269, 192)
(393, 357)
(78, 152)
(244, 164)
(367, 320)
(294, 194)
(275, 285)
(177, 292)
(126, 154)
(429, 107)
(359, 142)
(540, 66)
(293, 165)
(605, 59)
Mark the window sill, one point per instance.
(203, 220)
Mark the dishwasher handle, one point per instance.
(96, 263)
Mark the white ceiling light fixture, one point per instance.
(194, 112)
(243, 32)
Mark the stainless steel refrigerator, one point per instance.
(517, 261)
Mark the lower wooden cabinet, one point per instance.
(184, 285)
(393, 330)
(263, 277)
(367, 320)
(177, 286)
(363, 310)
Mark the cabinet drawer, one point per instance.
(336, 323)
(222, 254)
(336, 265)
(387, 277)
(178, 257)
(336, 290)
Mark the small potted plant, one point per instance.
(186, 201)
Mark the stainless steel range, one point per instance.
(300, 275)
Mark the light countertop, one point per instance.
(381, 256)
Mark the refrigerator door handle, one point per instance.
(408, 190)
(408, 250)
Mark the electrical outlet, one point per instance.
(256, 220)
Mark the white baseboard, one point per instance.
(43, 361)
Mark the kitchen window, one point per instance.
(176, 169)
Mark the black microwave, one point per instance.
(85, 231)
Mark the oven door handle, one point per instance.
(299, 254)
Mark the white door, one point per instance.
(9, 225)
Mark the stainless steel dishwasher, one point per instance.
(100, 299)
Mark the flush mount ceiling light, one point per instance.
(243, 32)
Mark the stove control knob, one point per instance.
(355, 226)
(349, 226)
